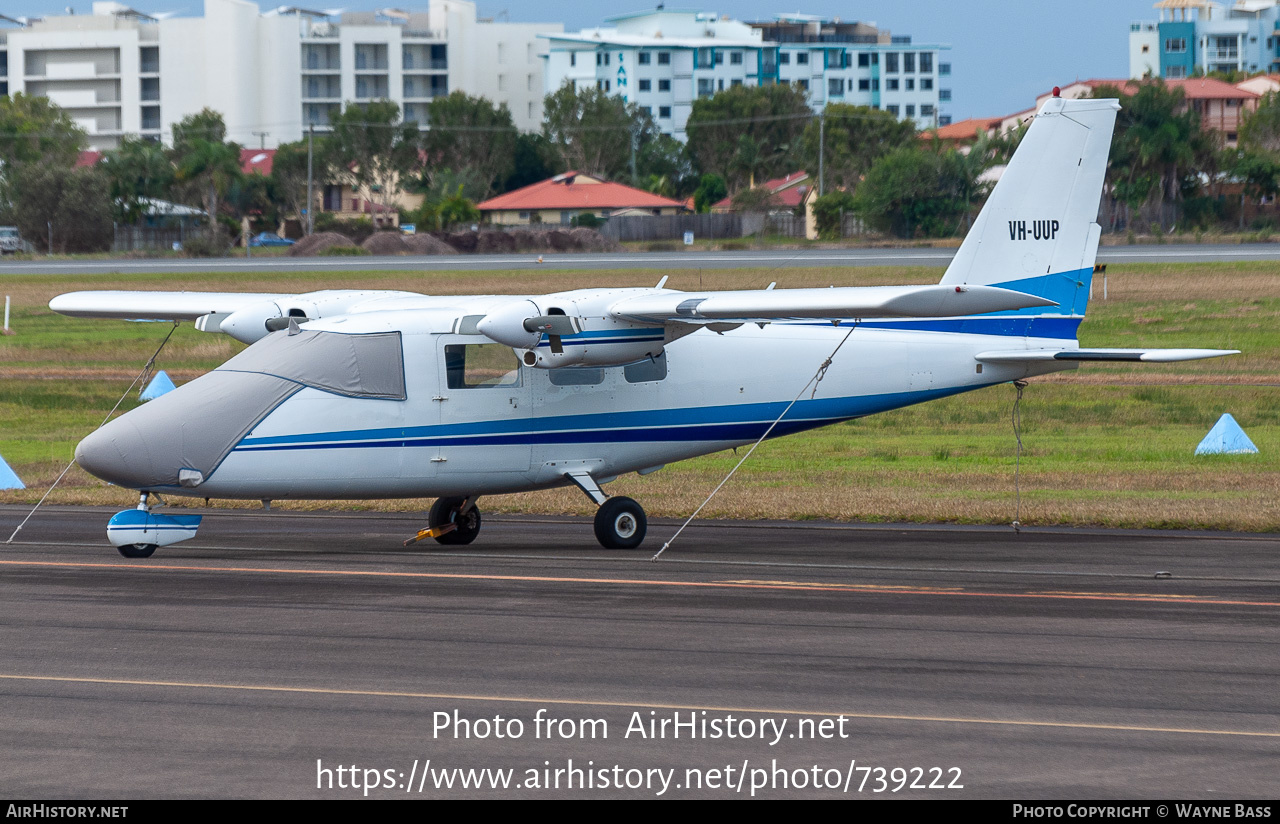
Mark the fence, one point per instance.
(133, 238)
(717, 226)
(673, 227)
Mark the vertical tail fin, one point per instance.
(1038, 231)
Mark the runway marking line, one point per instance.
(863, 716)
(795, 586)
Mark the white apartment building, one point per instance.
(663, 60)
(857, 63)
(272, 75)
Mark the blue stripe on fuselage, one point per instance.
(708, 423)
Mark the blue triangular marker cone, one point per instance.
(159, 385)
(1226, 437)
(9, 480)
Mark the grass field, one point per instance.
(1110, 444)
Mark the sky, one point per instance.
(1003, 52)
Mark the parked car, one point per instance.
(10, 241)
(269, 239)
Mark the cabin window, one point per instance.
(576, 376)
(646, 371)
(480, 365)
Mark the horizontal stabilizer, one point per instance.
(155, 305)
(1133, 355)
(932, 301)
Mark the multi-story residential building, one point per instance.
(1200, 36)
(663, 60)
(272, 75)
(859, 64)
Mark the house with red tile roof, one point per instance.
(964, 132)
(563, 197)
(1261, 84)
(257, 161)
(1221, 106)
(785, 193)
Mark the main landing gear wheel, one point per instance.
(448, 511)
(137, 550)
(620, 524)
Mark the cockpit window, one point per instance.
(359, 366)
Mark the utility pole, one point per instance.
(822, 147)
(634, 139)
(311, 205)
(262, 140)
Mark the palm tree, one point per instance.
(212, 168)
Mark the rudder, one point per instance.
(1038, 231)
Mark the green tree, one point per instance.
(1261, 127)
(662, 158)
(137, 170)
(253, 196)
(828, 212)
(33, 132)
(748, 133)
(593, 132)
(1257, 171)
(205, 124)
(711, 190)
(288, 190)
(205, 165)
(1158, 146)
(457, 209)
(853, 137)
(915, 191)
(371, 149)
(71, 203)
(471, 134)
(535, 159)
(967, 168)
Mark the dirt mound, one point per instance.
(386, 243)
(464, 242)
(526, 241)
(495, 243)
(317, 243)
(560, 241)
(590, 240)
(425, 244)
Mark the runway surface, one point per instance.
(1188, 253)
(277, 650)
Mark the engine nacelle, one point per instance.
(506, 325)
(602, 353)
(249, 324)
(558, 330)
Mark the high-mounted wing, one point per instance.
(833, 304)
(1132, 355)
(155, 305)
(245, 316)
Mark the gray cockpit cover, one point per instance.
(192, 427)
(360, 366)
(198, 424)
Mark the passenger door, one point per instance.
(485, 413)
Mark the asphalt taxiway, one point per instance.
(769, 259)
(278, 645)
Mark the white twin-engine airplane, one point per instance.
(361, 394)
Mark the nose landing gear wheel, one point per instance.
(620, 524)
(137, 550)
(448, 511)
